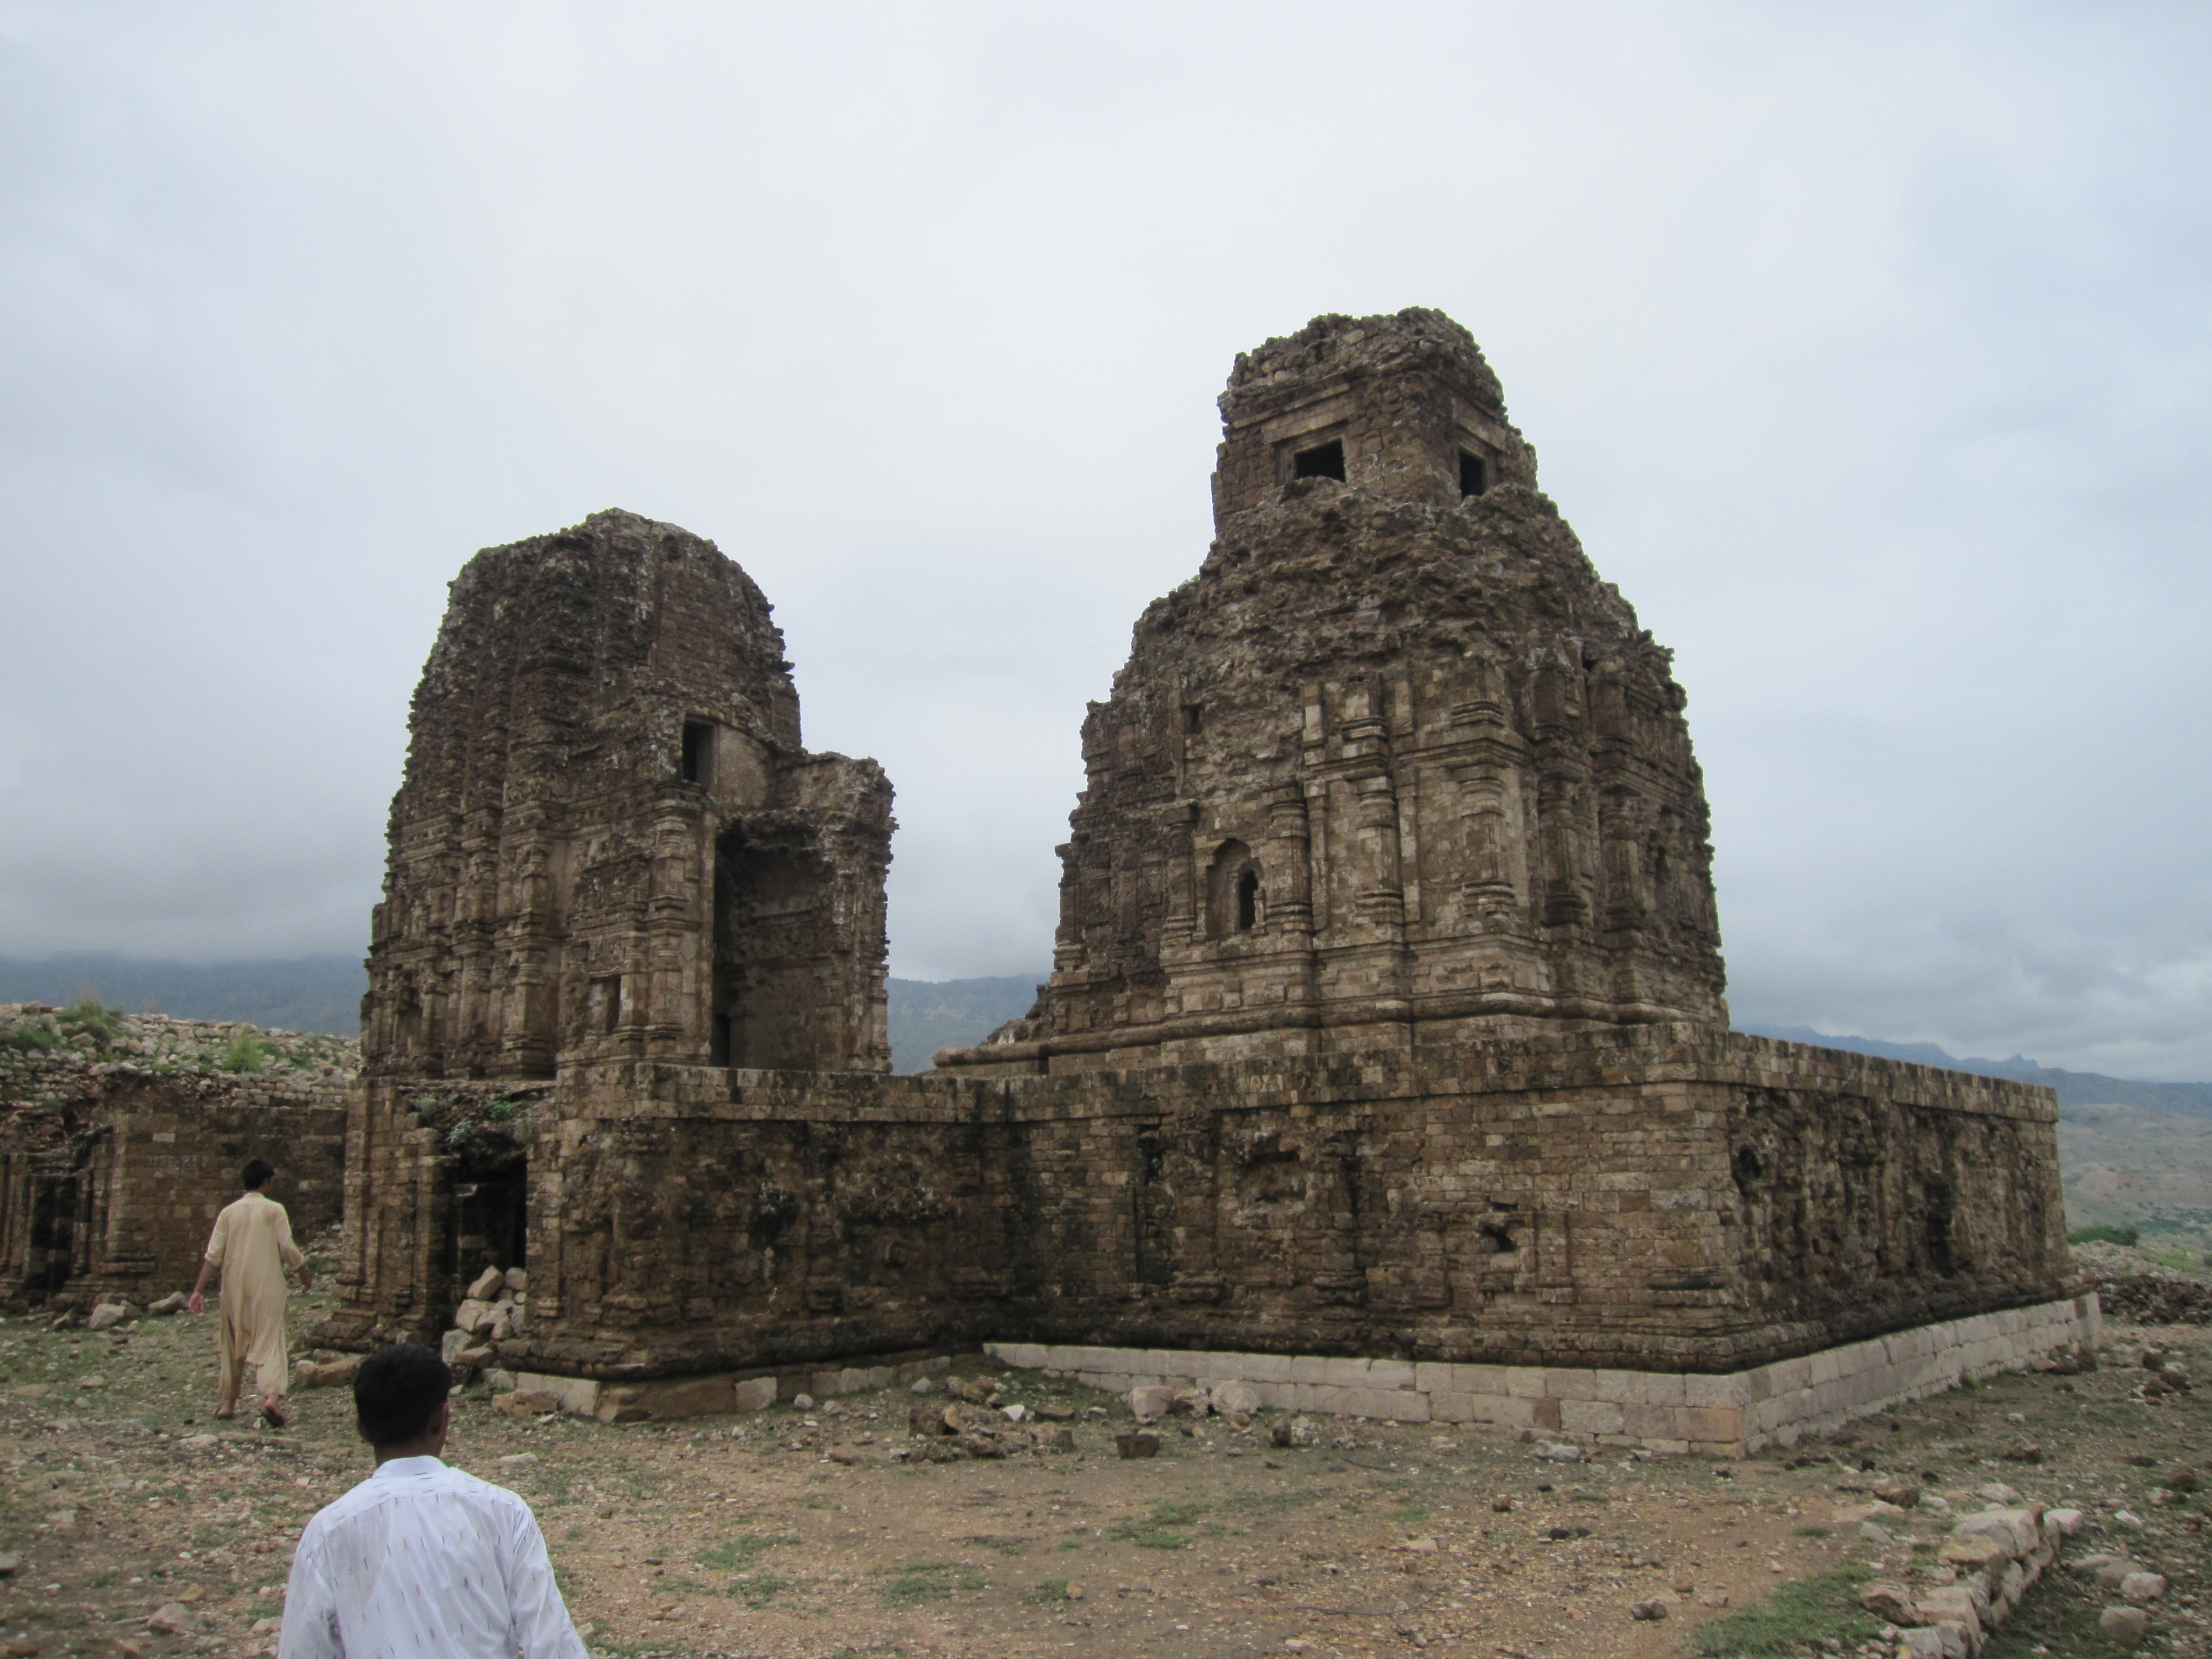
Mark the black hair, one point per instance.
(397, 1391)
(255, 1174)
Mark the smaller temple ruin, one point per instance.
(610, 849)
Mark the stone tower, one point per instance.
(1394, 768)
(610, 843)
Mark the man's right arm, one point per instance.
(311, 1614)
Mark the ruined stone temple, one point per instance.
(1396, 768)
(1384, 1063)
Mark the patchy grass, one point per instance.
(757, 1589)
(928, 1581)
(1048, 1590)
(732, 1554)
(1156, 1531)
(1797, 1617)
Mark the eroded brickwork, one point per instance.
(1386, 1017)
(114, 1193)
(1395, 766)
(609, 841)
(610, 846)
(1667, 1198)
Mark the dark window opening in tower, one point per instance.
(1194, 716)
(1322, 461)
(1248, 900)
(1473, 474)
(698, 752)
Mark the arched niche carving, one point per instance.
(1235, 895)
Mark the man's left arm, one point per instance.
(311, 1621)
(289, 1252)
(540, 1625)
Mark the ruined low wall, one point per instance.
(1668, 1199)
(115, 1197)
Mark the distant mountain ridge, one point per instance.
(318, 993)
(926, 1015)
(323, 992)
(2074, 1088)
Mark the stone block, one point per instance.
(1643, 1388)
(1567, 1383)
(1590, 1417)
(1727, 1391)
(1718, 1424)
(755, 1394)
(1389, 1374)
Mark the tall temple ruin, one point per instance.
(1384, 1062)
(1395, 766)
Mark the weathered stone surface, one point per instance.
(329, 1375)
(610, 846)
(1393, 832)
(2125, 1625)
(1396, 765)
(2143, 1587)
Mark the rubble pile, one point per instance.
(2156, 1299)
(496, 1307)
(1988, 1563)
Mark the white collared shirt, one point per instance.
(421, 1561)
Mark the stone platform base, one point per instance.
(1731, 1414)
(712, 1394)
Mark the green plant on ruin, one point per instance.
(35, 1035)
(90, 1019)
(245, 1054)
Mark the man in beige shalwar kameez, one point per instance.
(253, 1246)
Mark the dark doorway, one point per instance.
(1322, 461)
(488, 1223)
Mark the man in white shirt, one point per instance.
(421, 1561)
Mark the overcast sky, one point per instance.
(1867, 347)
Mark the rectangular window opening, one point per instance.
(1473, 474)
(1322, 461)
(698, 751)
(1194, 716)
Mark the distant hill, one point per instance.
(323, 993)
(291, 994)
(2074, 1088)
(926, 1015)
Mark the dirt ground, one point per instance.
(742, 1536)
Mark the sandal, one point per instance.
(273, 1417)
(226, 1415)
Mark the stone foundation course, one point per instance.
(1732, 1415)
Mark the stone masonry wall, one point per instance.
(119, 1201)
(1673, 1199)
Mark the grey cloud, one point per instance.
(1866, 350)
